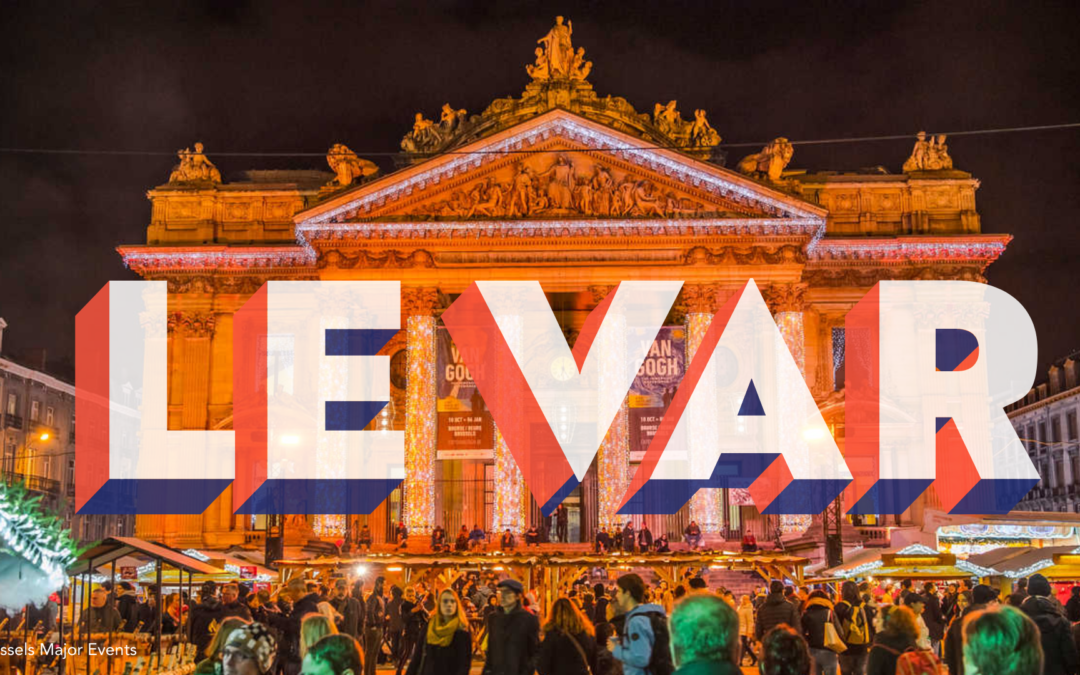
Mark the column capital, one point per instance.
(785, 297)
(698, 298)
(422, 301)
(600, 291)
(192, 324)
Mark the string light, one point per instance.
(420, 425)
(1030, 569)
(706, 504)
(33, 536)
(511, 495)
(613, 458)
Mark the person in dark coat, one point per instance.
(644, 539)
(1057, 642)
(1072, 607)
(562, 521)
(932, 616)
(444, 647)
(349, 609)
(231, 605)
(303, 603)
(953, 650)
(127, 605)
(776, 610)
(514, 637)
(628, 537)
(818, 612)
(899, 634)
(374, 620)
(208, 611)
(569, 644)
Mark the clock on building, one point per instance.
(399, 368)
(563, 368)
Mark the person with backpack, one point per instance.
(854, 628)
(569, 645)
(895, 652)
(643, 646)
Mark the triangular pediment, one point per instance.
(559, 166)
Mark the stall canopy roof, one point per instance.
(115, 548)
(1019, 561)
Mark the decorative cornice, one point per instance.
(978, 248)
(744, 255)
(812, 228)
(144, 259)
(868, 276)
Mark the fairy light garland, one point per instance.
(706, 504)
(1030, 569)
(420, 425)
(510, 491)
(613, 458)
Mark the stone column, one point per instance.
(511, 493)
(418, 305)
(707, 505)
(613, 457)
(786, 301)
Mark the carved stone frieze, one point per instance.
(745, 255)
(336, 258)
(785, 297)
(868, 276)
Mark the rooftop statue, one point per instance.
(929, 155)
(556, 58)
(194, 167)
(348, 167)
(770, 162)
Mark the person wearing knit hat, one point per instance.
(250, 650)
(1056, 631)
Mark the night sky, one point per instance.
(300, 76)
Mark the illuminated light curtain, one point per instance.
(418, 507)
(511, 493)
(786, 302)
(613, 456)
(330, 448)
(706, 506)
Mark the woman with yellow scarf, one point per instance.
(445, 648)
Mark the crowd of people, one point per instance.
(625, 627)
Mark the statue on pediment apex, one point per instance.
(770, 162)
(194, 167)
(556, 58)
(347, 166)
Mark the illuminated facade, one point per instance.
(561, 186)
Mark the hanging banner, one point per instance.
(465, 427)
(654, 387)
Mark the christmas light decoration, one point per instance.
(706, 505)
(511, 494)
(1030, 569)
(860, 570)
(917, 549)
(613, 457)
(420, 425)
(35, 549)
(976, 570)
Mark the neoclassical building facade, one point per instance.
(568, 188)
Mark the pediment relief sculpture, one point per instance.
(546, 186)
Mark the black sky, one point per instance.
(300, 76)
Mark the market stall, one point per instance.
(1059, 564)
(911, 562)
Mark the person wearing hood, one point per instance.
(776, 610)
(633, 648)
(953, 651)
(819, 612)
(1057, 641)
